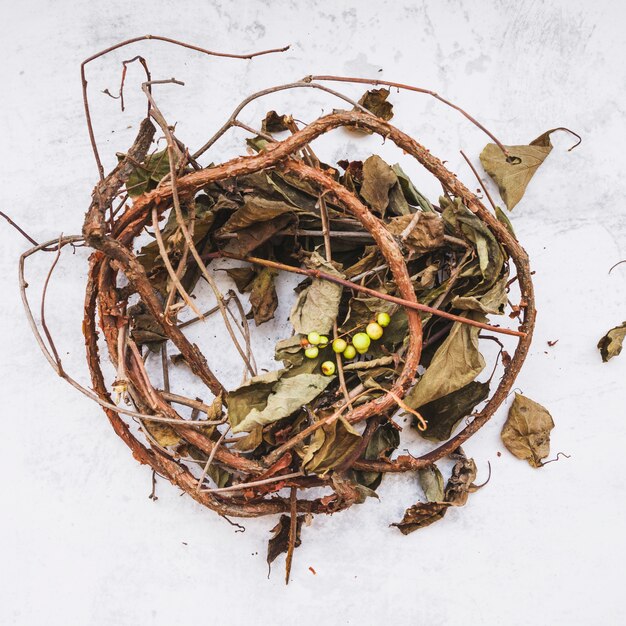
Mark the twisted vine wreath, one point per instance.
(257, 481)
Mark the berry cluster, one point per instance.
(360, 343)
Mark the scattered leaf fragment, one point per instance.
(611, 344)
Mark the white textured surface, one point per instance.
(80, 541)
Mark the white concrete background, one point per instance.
(80, 541)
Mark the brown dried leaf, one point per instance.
(378, 179)
(526, 432)
(279, 543)
(421, 515)
(611, 344)
(274, 123)
(375, 100)
(513, 174)
(263, 298)
(426, 235)
(329, 446)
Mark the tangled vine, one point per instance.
(272, 476)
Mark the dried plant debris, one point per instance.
(611, 344)
(397, 293)
(439, 500)
(526, 432)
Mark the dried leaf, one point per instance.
(242, 277)
(146, 176)
(329, 446)
(256, 209)
(492, 302)
(611, 344)
(456, 363)
(274, 123)
(144, 329)
(443, 415)
(461, 482)
(249, 239)
(381, 446)
(513, 174)
(378, 179)
(317, 306)
(253, 394)
(286, 396)
(263, 298)
(526, 433)
(421, 515)
(426, 235)
(431, 481)
(458, 488)
(375, 100)
(412, 195)
(279, 543)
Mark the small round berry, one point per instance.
(349, 353)
(328, 368)
(383, 319)
(361, 341)
(311, 352)
(313, 338)
(323, 341)
(339, 345)
(374, 330)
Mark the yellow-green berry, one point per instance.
(374, 330)
(361, 341)
(313, 338)
(349, 353)
(311, 352)
(339, 345)
(383, 319)
(328, 368)
(323, 341)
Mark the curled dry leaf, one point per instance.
(611, 344)
(526, 433)
(458, 488)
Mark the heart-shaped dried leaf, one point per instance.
(455, 364)
(526, 432)
(513, 173)
(611, 344)
(317, 306)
